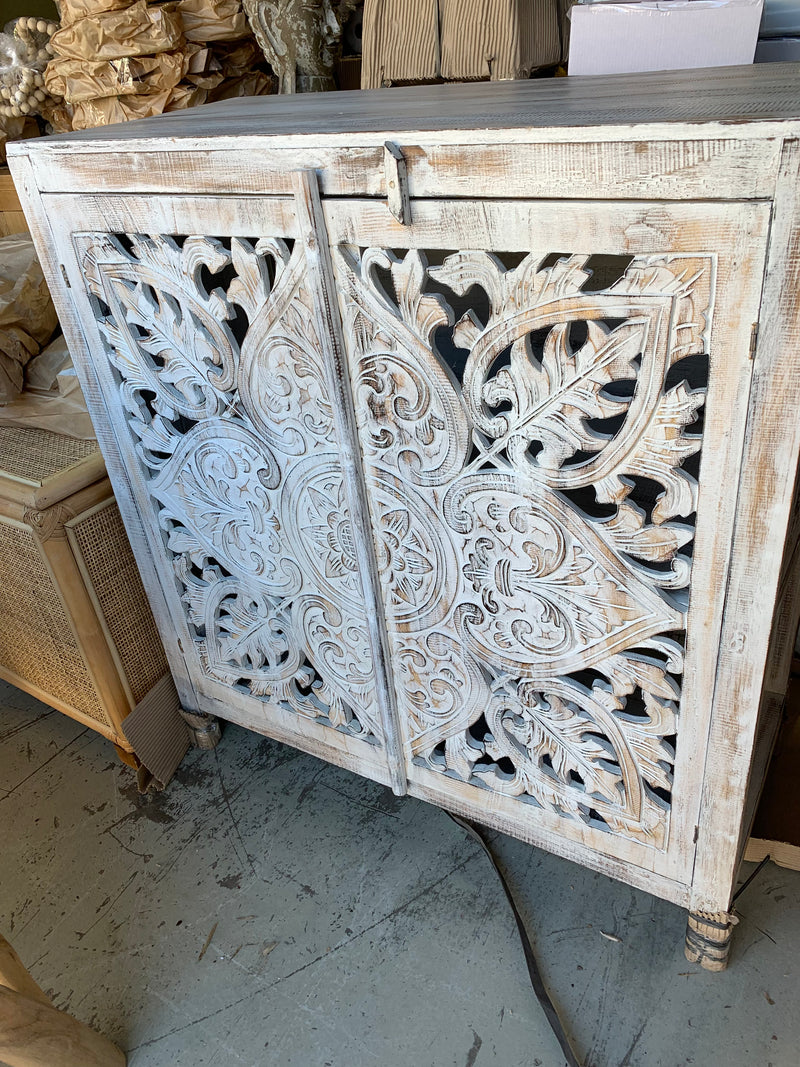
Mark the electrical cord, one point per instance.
(537, 981)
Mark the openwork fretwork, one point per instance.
(220, 376)
(532, 475)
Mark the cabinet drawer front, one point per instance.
(551, 404)
(203, 359)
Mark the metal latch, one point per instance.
(394, 166)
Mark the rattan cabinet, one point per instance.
(76, 629)
(455, 432)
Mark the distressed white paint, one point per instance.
(487, 633)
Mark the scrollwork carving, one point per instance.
(544, 482)
(219, 372)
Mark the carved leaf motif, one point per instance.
(551, 401)
(186, 350)
(405, 560)
(415, 558)
(316, 521)
(445, 690)
(338, 643)
(281, 378)
(563, 390)
(659, 452)
(545, 726)
(417, 420)
(218, 484)
(550, 598)
(629, 671)
(421, 312)
(246, 634)
(567, 387)
(167, 334)
(688, 284)
(646, 741)
(656, 544)
(248, 637)
(628, 532)
(251, 286)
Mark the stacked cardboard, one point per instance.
(424, 40)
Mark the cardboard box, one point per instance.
(621, 38)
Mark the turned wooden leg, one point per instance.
(708, 938)
(204, 729)
(128, 758)
(35, 1034)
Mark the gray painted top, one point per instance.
(762, 92)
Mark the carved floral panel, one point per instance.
(531, 434)
(220, 376)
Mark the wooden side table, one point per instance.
(76, 629)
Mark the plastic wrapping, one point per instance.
(212, 20)
(74, 10)
(27, 316)
(52, 398)
(239, 57)
(138, 30)
(59, 115)
(115, 63)
(186, 96)
(10, 130)
(256, 83)
(79, 79)
(106, 110)
(24, 51)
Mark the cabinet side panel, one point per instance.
(762, 518)
(54, 250)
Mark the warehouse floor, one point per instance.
(269, 909)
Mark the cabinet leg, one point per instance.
(128, 758)
(708, 938)
(204, 729)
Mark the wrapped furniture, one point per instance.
(455, 432)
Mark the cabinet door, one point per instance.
(550, 400)
(207, 384)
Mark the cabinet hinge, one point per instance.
(396, 172)
(696, 835)
(753, 339)
(64, 275)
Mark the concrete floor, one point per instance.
(350, 928)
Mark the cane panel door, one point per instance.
(536, 387)
(201, 326)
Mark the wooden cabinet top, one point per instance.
(478, 111)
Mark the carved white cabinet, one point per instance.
(467, 461)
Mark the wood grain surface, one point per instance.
(729, 95)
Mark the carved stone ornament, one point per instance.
(301, 39)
